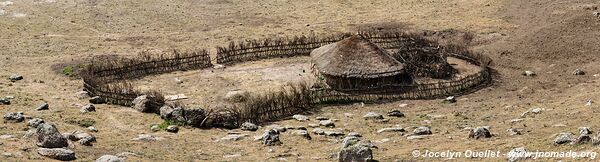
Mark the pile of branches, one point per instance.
(424, 58)
(290, 100)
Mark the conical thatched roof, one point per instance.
(355, 56)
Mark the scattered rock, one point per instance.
(300, 117)
(585, 130)
(15, 77)
(145, 137)
(596, 14)
(396, 129)
(49, 137)
(88, 108)
(327, 123)
(532, 111)
(7, 136)
(249, 126)
(236, 96)
(373, 116)
(528, 73)
(413, 137)
(395, 113)
(232, 156)
(322, 118)
(582, 139)
(43, 106)
(87, 141)
(155, 128)
(14, 117)
(450, 99)
(302, 133)
(271, 138)
(333, 133)
(172, 128)
(354, 134)
(513, 131)
(218, 66)
(480, 132)
(356, 150)
(422, 131)
(82, 95)
(4, 101)
(233, 137)
(109, 158)
(175, 97)
(57, 153)
(578, 72)
(178, 81)
(277, 127)
(35, 122)
(93, 129)
(516, 120)
(589, 103)
(97, 100)
(517, 154)
(563, 138)
(313, 125)
(318, 131)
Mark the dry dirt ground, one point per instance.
(550, 37)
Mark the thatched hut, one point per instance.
(357, 63)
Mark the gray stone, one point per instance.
(4, 101)
(354, 134)
(528, 73)
(236, 96)
(88, 108)
(480, 132)
(7, 136)
(450, 99)
(109, 158)
(166, 111)
(578, 72)
(145, 137)
(87, 141)
(414, 137)
(318, 131)
(350, 140)
(563, 138)
(15, 77)
(82, 95)
(271, 138)
(513, 131)
(300, 117)
(57, 153)
(589, 103)
(178, 81)
(14, 117)
(43, 106)
(49, 137)
(517, 154)
(395, 113)
(155, 128)
(596, 140)
(141, 104)
(35, 122)
(356, 150)
(596, 14)
(93, 129)
(97, 100)
(249, 126)
(422, 131)
(322, 118)
(313, 125)
(395, 129)
(585, 130)
(172, 129)
(327, 123)
(373, 116)
(233, 137)
(277, 127)
(333, 133)
(582, 139)
(302, 133)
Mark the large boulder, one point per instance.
(49, 137)
(271, 138)
(355, 150)
(148, 103)
(35, 122)
(57, 153)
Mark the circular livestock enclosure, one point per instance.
(111, 80)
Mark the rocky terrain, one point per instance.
(544, 97)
